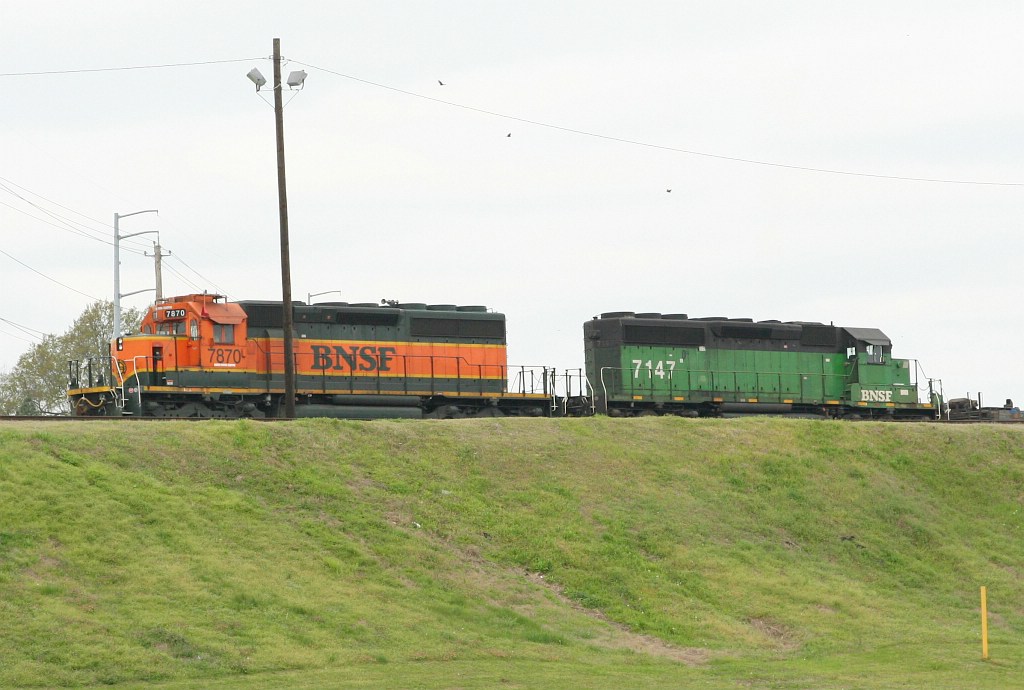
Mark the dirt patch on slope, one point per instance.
(621, 637)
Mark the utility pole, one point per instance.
(117, 266)
(286, 273)
(157, 268)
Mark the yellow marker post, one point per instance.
(984, 625)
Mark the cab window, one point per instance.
(874, 353)
(224, 333)
(193, 330)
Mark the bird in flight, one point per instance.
(440, 82)
(668, 190)
(509, 134)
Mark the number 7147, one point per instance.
(659, 368)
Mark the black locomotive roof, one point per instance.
(872, 336)
(654, 327)
(268, 313)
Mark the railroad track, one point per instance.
(60, 418)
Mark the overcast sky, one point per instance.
(401, 188)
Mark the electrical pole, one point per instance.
(157, 256)
(286, 274)
(117, 266)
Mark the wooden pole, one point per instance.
(286, 271)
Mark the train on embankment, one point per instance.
(200, 355)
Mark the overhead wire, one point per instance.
(538, 123)
(62, 223)
(30, 332)
(18, 337)
(52, 280)
(183, 278)
(102, 234)
(200, 275)
(5, 181)
(123, 69)
(71, 230)
(662, 147)
(77, 231)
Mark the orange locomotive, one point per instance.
(201, 356)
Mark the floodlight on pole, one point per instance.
(295, 81)
(257, 78)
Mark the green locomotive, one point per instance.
(644, 364)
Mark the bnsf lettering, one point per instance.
(875, 396)
(353, 357)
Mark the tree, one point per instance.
(39, 381)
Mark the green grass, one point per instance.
(510, 553)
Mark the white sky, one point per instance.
(401, 197)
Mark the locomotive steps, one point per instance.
(593, 552)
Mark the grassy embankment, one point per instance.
(511, 553)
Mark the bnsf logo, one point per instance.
(353, 358)
(875, 396)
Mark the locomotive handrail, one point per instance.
(604, 387)
(138, 381)
(465, 375)
(593, 404)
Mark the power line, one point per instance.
(52, 280)
(184, 279)
(30, 332)
(538, 123)
(5, 181)
(634, 142)
(4, 186)
(72, 230)
(201, 276)
(104, 233)
(12, 335)
(122, 69)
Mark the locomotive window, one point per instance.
(147, 329)
(193, 330)
(224, 333)
(874, 354)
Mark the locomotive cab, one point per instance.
(178, 336)
(876, 380)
